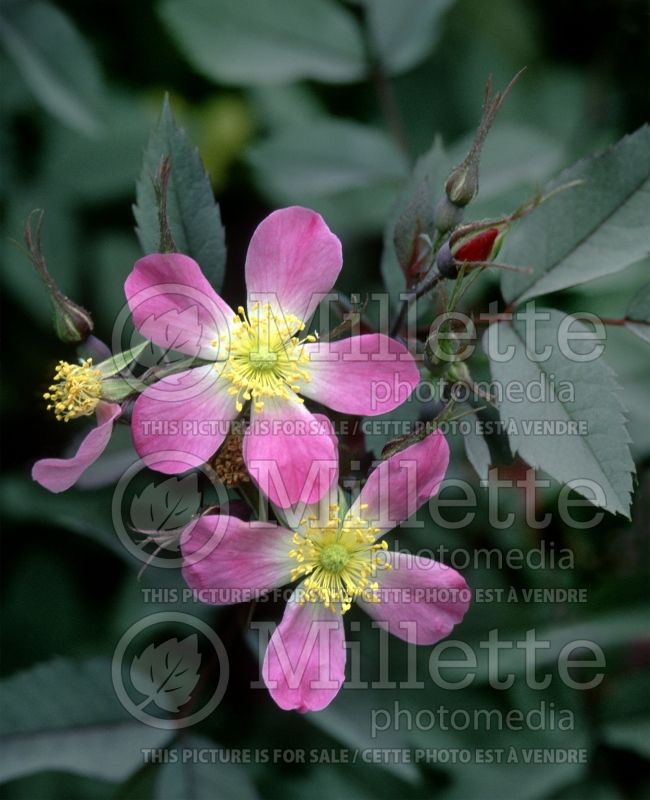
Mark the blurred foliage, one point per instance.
(284, 110)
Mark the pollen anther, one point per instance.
(76, 390)
(265, 358)
(339, 561)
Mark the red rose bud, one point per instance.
(477, 244)
(479, 247)
(468, 245)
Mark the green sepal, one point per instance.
(116, 389)
(121, 361)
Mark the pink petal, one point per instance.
(59, 474)
(231, 561)
(420, 599)
(364, 375)
(293, 260)
(400, 485)
(173, 304)
(290, 452)
(181, 420)
(304, 665)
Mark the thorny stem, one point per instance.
(429, 283)
(351, 317)
(482, 394)
(390, 108)
(404, 441)
(491, 106)
(32, 235)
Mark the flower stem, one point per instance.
(385, 92)
(430, 282)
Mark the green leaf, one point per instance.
(324, 158)
(346, 721)
(476, 449)
(84, 170)
(516, 779)
(55, 62)
(601, 454)
(347, 171)
(85, 513)
(197, 778)
(610, 630)
(429, 176)
(590, 230)
(65, 716)
(334, 780)
(404, 33)
(630, 734)
(194, 216)
(596, 788)
(257, 42)
(637, 316)
(285, 105)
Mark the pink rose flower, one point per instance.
(257, 355)
(76, 392)
(340, 560)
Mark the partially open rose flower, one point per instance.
(76, 392)
(258, 356)
(338, 559)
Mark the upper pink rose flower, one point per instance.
(257, 355)
(339, 558)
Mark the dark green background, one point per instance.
(67, 594)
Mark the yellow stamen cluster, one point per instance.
(265, 356)
(76, 390)
(339, 558)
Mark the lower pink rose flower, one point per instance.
(339, 559)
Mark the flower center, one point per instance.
(265, 357)
(262, 359)
(333, 558)
(339, 559)
(76, 390)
